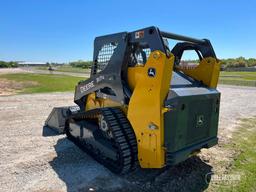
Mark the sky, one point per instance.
(64, 30)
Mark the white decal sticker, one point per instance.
(99, 79)
(139, 34)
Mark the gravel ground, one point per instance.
(31, 162)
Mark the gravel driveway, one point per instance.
(31, 162)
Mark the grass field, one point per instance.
(238, 78)
(39, 83)
(244, 165)
(229, 78)
(43, 82)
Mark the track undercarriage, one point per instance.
(106, 135)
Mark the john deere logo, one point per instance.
(199, 120)
(151, 72)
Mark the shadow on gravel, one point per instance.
(79, 171)
(189, 175)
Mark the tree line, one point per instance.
(225, 63)
(238, 62)
(5, 64)
(81, 64)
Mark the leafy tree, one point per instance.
(81, 64)
(4, 64)
(235, 62)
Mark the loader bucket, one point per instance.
(55, 123)
(56, 119)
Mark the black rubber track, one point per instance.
(129, 134)
(123, 138)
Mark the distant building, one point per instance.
(31, 63)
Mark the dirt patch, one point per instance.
(38, 71)
(10, 87)
(30, 162)
(12, 70)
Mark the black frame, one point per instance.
(114, 75)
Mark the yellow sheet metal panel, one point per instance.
(150, 140)
(150, 86)
(207, 71)
(135, 73)
(92, 102)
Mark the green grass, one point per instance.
(44, 82)
(229, 78)
(245, 162)
(66, 68)
(60, 83)
(238, 78)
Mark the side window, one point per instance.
(190, 58)
(104, 55)
(143, 55)
(139, 56)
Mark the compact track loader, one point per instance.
(141, 105)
